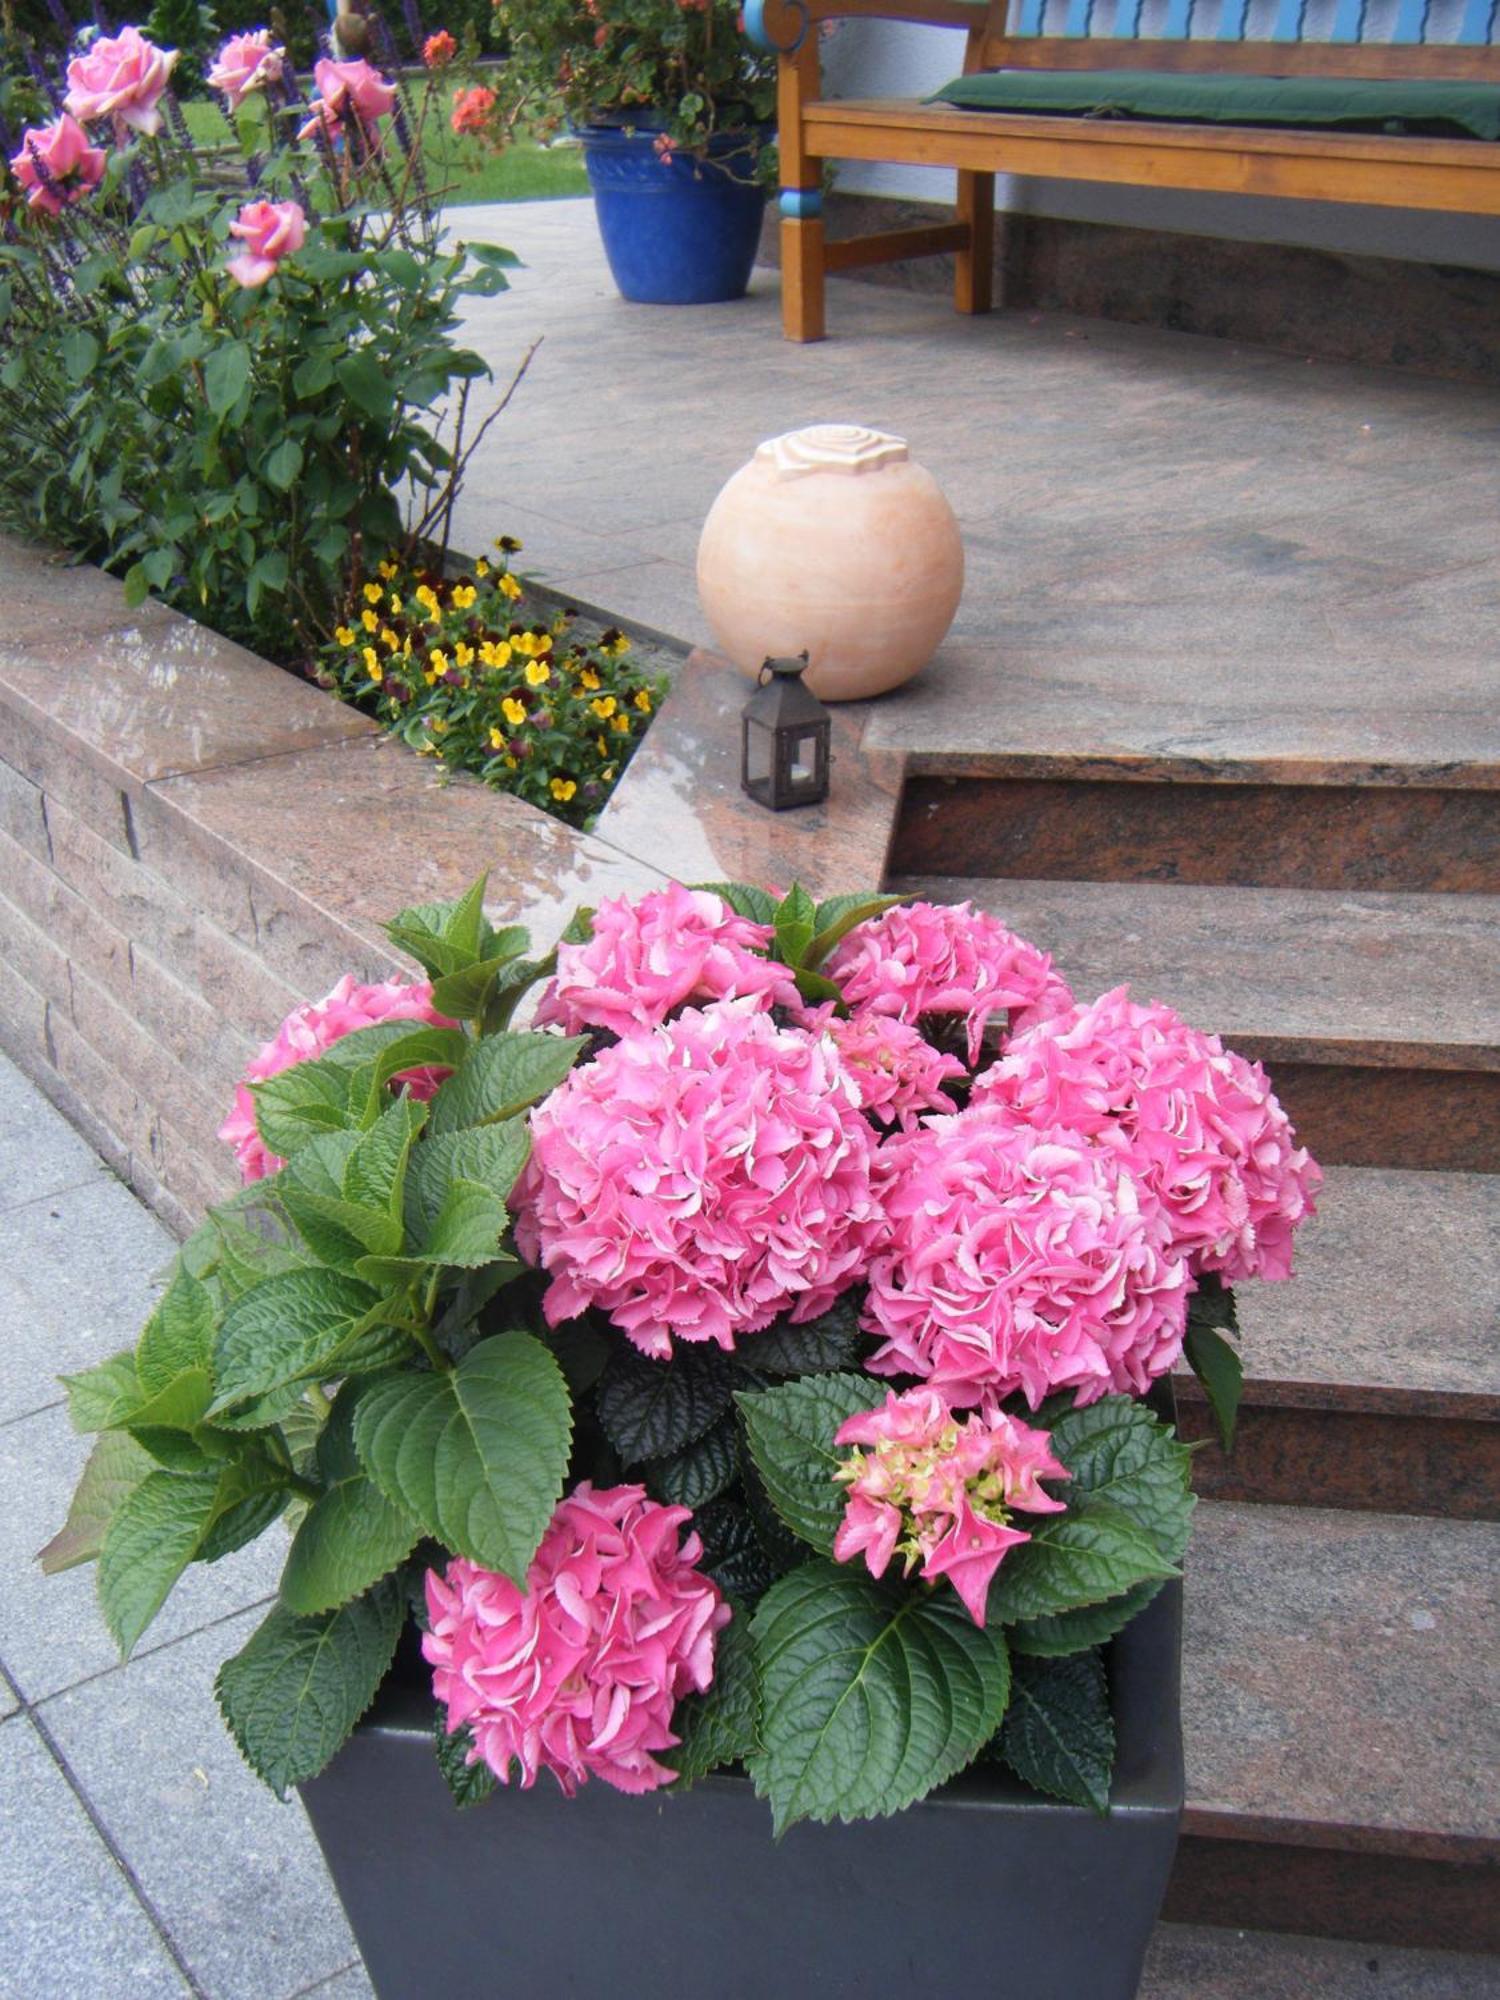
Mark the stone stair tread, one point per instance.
(1197, 1962)
(1339, 1680)
(1395, 1304)
(1296, 974)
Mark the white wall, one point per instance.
(893, 59)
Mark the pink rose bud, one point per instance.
(245, 63)
(269, 230)
(57, 165)
(120, 77)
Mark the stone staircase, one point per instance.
(1339, 1688)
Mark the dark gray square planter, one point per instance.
(984, 1888)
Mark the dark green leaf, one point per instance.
(838, 916)
(692, 1477)
(478, 1452)
(352, 1535)
(744, 899)
(226, 373)
(153, 1536)
(734, 1554)
(285, 1330)
(1217, 1367)
(722, 1725)
(1075, 1631)
(293, 1694)
(469, 1783)
(178, 1335)
(650, 1409)
(870, 1696)
(790, 1432)
(366, 384)
(491, 1155)
(503, 1075)
(80, 354)
(283, 463)
(1213, 1305)
(1059, 1734)
(1121, 1455)
(818, 1347)
(794, 925)
(1073, 1559)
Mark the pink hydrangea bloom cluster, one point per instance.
(917, 959)
(698, 1179)
(898, 1074)
(307, 1032)
(938, 1489)
(579, 1672)
(648, 957)
(1198, 1126)
(1021, 1259)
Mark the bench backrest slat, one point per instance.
(1478, 24)
(1233, 16)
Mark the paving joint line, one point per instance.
(118, 1856)
(103, 1171)
(144, 1653)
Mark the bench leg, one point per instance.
(974, 276)
(802, 304)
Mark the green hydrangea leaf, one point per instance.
(870, 1695)
(721, 1725)
(469, 1783)
(155, 1533)
(1220, 1373)
(284, 1330)
(701, 1472)
(477, 1453)
(100, 1396)
(491, 1155)
(1059, 1734)
(112, 1471)
(179, 1334)
(1090, 1625)
(1123, 1457)
(1085, 1556)
(838, 916)
(744, 899)
(819, 1346)
(790, 1431)
(292, 1695)
(501, 1076)
(651, 1409)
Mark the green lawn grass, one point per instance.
(466, 172)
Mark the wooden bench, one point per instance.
(1202, 37)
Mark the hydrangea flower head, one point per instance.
(1021, 1259)
(696, 1180)
(1201, 1127)
(938, 1490)
(946, 958)
(898, 1073)
(649, 956)
(307, 1032)
(578, 1673)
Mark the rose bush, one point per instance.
(721, 1370)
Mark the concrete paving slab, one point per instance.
(353, 1983)
(40, 1153)
(72, 1924)
(236, 1877)
(110, 1249)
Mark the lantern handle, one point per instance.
(797, 665)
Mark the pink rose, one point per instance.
(346, 86)
(57, 165)
(941, 1488)
(269, 230)
(579, 1673)
(306, 1033)
(245, 63)
(120, 77)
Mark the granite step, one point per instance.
(1372, 1380)
(1341, 1733)
(1378, 1012)
(1193, 1962)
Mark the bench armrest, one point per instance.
(779, 27)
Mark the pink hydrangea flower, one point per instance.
(946, 958)
(897, 1073)
(56, 165)
(120, 77)
(1202, 1128)
(939, 1489)
(652, 955)
(700, 1178)
(343, 86)
(307, 1032)
(578, 1674)
(269, 230)
(1021, 1260)
(246, 63)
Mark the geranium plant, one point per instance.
(465, 672)
(219, 376)
(744, 1363)
(680, 68)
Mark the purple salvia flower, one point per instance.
(413, 18)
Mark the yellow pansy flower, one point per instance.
(372, 665)
(395, 605)
(643, 701)
(463, 655)
(590, 679)
(426, 597)
(614, 643)
(389, 640)
(463, 595)
(373, 593)
(406, 647)
(511, 764)
(387, 569)
(562, 789)
(438, 726)
(538, 673)
(495, 652)
(607, 774)
(437, 659)
(601, 746)
(513, 711)
(509, 586)
(621, 725)
(344, 636)
(481, 568)
(604, 707)
(370, 622)
(497, 740)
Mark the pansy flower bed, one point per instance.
(744, 1363)
(464, 671)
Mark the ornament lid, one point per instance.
(845, 448)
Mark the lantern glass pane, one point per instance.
(760, 747)
(803, 759)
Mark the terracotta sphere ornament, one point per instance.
(832, 541)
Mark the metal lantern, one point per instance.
(786, 731)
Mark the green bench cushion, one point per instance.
(1423, 106)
